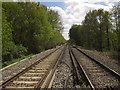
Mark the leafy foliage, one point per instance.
(29, 28)
(115, 14)
(99, 31)
(6, 35)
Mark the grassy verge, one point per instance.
(112, 55)
(6, 63)
(108, 54)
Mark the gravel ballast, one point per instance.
(13, 69)
(112, 63)
(99, 76)
(63, 76)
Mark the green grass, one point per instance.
(6, 63)
(112, 54)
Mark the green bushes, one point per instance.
(18, 51)
(28, 28)
(100, 30)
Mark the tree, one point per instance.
(115, 14)
(107, 27)
(73, 33)
(94, 31)
(33, 24)
(6, 35)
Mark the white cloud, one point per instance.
(92, 1)
(66, 35)
(76, 10)
(66, 26)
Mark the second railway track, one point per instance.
(96, 74)
(84, 70)
(38, 75)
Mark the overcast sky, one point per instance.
(74, 11)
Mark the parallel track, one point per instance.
(97, 75)
(79, 71)
(37, 75)
(87, 70)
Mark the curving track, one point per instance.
(37, 75)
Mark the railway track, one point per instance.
(37, 75)
(80, 76)
(95, 74)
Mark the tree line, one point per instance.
(100, 30)
(28, 27)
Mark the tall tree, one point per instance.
(115, 14)
(6, 35)
(37, 24)
(107, 28)
(94, 31)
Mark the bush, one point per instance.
(18, 51)
(116, 55)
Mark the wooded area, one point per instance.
(28, 28)
(100, 31)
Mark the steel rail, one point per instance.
(73, 58)
(75, 65)
(51, 71)
(26, 69)
(117, 75)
